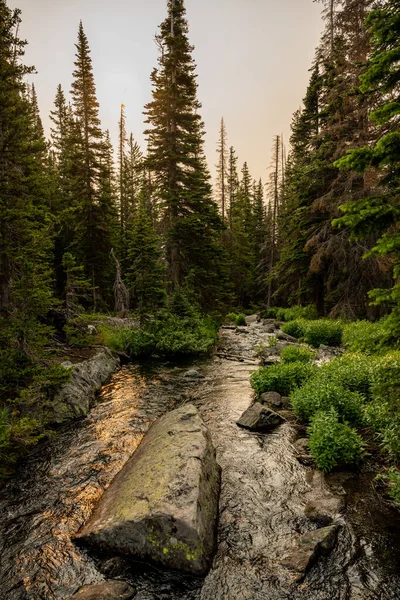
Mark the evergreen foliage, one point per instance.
(176, 159)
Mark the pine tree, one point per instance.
(377, 211)
(25, 242)
(93, 210)
(176, 159)
(146, 273)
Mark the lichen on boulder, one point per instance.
(163, 504)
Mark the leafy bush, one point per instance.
(168, 335)
(240, 320)
(282, 378)
(394, 479)
(324, 332)
(353, 371)
(333, 443)
(270, 313)
(320, 394)
(237, 319)
(295, 328)
(231, 317)
(296, 312)
(364, 336)
(294, 354)
(383, 412)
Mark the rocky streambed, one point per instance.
(284, 531)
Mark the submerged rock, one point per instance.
(107, 590)
(322, 505)
(310, 547)
(259, 418)
(193, 374)
(74, 398)
(163, 505)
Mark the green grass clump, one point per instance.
(296, 312)
(324, 332)
(333, 443)
(364, 336)
(166, 335)
(282, 377)
(320, 394)
(294, 354)
(295, 328)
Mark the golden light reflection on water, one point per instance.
(78, 476)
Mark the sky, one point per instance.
(253, 59)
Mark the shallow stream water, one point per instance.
(261, 505)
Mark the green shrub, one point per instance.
(294, 354)
(383, 412)
(236, 319)
(333, 443)
(295, 328)
(364, 336)
(320, 394)
(353, 371)
(270, 313)
(167, 335)
(296, 312)
(240, 320)
(231, 318)
(394, 479)
(324, 332)
(282, 378)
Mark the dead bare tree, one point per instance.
(121, 293)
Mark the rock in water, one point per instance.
(310, 547)
(73, 398)
(162, 506)
(107, 590)
(259, 418)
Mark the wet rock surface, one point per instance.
(310, 547)
(74, 398)
(259, 418)
(262, 503)
(163, 505)
(109, 590)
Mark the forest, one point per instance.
(88, 231)
(283, 293)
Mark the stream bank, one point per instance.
(263, 497)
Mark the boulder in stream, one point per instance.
(259, 418)
(107, 590)
(162, 506)
(73, 399)
(309, 547)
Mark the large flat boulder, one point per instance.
(162, 506)
(74, 398)
(259, 418)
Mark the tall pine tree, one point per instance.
(176, 159)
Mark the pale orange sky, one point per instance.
(252, 58)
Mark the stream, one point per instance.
(261, 505)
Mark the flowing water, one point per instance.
(261, 505)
